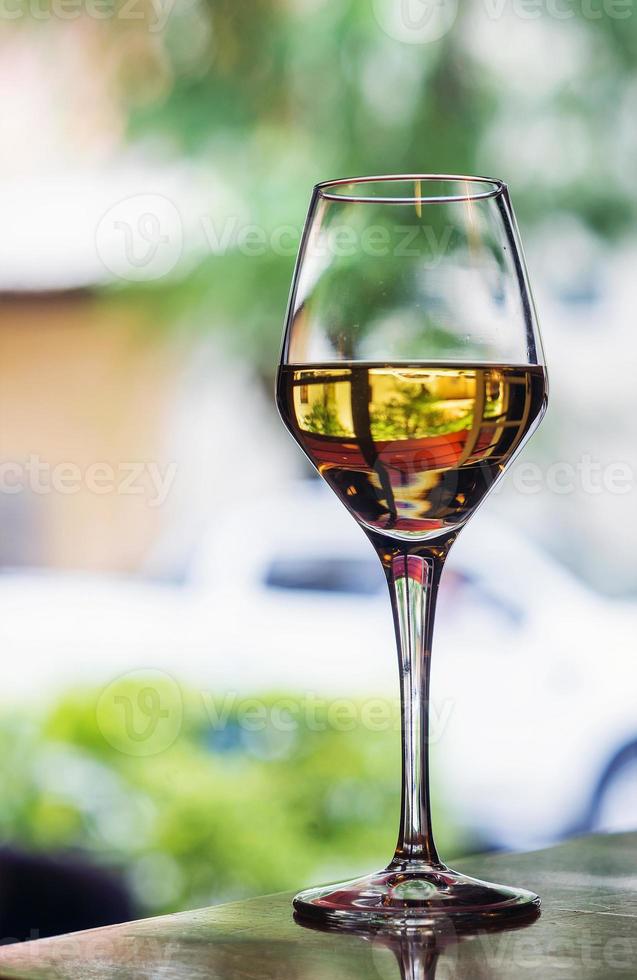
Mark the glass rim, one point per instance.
(495, 188)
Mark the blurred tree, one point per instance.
(230, 809)
(277, 94)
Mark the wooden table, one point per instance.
(588, 929)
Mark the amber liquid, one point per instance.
(411, 449)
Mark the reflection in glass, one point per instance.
(411, 449)
(419, 952)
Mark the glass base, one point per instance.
(413, 896)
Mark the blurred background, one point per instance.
(198, 698)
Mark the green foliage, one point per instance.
(251, 796)
(413, 413)
(323, 419)
(272, 97)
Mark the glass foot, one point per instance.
(419, 897)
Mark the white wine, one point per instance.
(411, 449)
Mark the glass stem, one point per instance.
(413, 575)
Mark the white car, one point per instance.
(534, 681)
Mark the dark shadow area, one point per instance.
(47, 895)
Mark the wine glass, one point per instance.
(411, 375)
